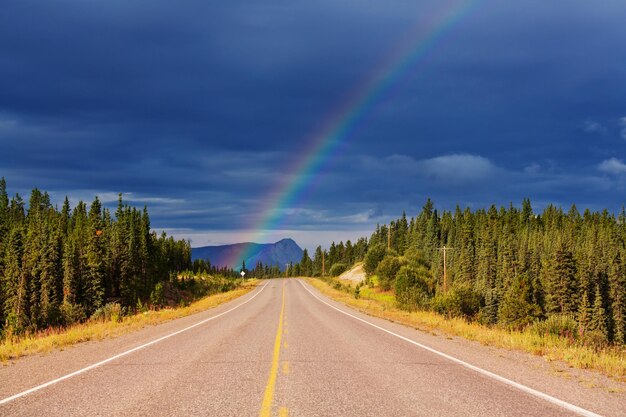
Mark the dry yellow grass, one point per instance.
(59, 338)
(610, 361)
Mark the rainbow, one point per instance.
(337, 130)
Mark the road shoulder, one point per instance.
(587, 389)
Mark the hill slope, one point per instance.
(280, 253)
(356, 274)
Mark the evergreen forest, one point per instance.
(506, 266)
(58, 267)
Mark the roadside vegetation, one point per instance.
(551, 283)
(189, 295)
(85, 273)
(552, 339)
(58, 268)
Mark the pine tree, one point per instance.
(306, 265)
(50, 272)
(598, 315)
(71, 271)
(317, 262)
(145, 251)
(517, 309)
(4, 231)
(617, 292)
(13, 280)
(94, 276)
(64, 221)
(16, 210)
(560, 282)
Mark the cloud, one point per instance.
(533, 168)
(594, 127)
(623, 123)
(458, 168)
(613, 166)
(332, 217)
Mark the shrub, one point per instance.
(563, 325)
(415, 258)
(387, 270)
(374, 255)
(337, 269)
(413, 287)
(141, 307)
(12, 327)
(157, 296)
(461, 301)
(72, 313)
(110, 312)
(596, 339)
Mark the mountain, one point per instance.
(280, 253)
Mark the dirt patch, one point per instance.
(355, 274)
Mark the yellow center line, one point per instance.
(285, 367)
(283, 412)
(266, 407)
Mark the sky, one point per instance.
(207, 111)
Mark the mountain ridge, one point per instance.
(278, 253)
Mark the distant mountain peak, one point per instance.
(280, 253)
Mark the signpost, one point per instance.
(243, 275)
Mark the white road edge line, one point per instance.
(112, 358)
(524, 388)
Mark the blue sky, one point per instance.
(195, 108)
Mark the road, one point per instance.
(285, 350)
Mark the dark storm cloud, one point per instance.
(196, 108)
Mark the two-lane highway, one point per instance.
(282, 350)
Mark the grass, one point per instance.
(610, 361)
(59, 338)
(385, 297)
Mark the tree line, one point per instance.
(334, 261)
(260, 270)
(60, 267)
(507, 266)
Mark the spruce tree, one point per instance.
(598, 315)
(560, 282)
(94, 276)
(317, 262)
(306, 266)
(517, 309)
(14, 301)
(617, 292)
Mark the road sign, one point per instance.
(243, 273)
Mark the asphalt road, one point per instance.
(285, 350)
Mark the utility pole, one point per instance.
(445, 271)
(286, 270)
